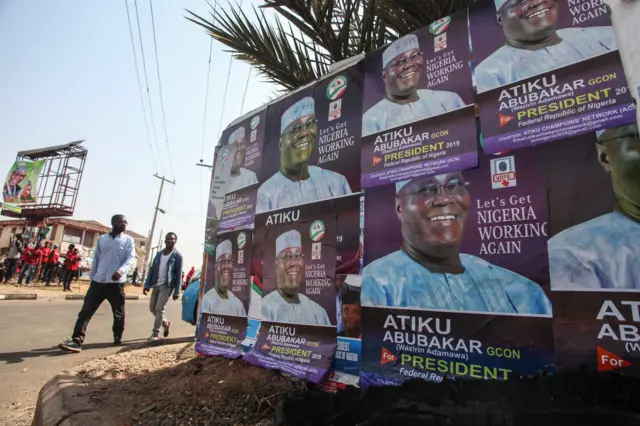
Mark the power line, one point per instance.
(164, 120)
(224, 98)
(146, 79)
(246, 86)
(144, 110)
(206, 101)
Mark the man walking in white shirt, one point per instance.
(113, 257)
(165, 277)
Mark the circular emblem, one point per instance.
(225, 154)
(337, 87)
(254, 122)
(242, 240)
(440, 26)
(316, 231)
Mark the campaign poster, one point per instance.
(346, 364)
(222, 160)
(593, 182)
(456, 275)
(238, 209)
(210, 235)
(546, 70)
(418, 114)
(296, 252)
(226, 299)
(21, 185)
(312, 139)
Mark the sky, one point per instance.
(68, 73)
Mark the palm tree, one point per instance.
(307, 36)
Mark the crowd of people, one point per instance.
(30, 262)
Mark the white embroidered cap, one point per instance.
(223, 248)
(305, 106)
(289, 239)
(400, 185)
(237, 134)
(401, 45)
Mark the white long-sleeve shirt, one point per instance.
(111, 255)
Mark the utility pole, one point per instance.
(155, 216)
(201, 164)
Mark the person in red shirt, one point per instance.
(52, 260)
(72, 263)
(41, 268)
(32, 258)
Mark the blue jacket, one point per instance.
(174, 272)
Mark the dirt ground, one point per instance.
(169, 385)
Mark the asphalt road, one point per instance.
(31, 330)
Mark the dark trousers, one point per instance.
(11, 269)
(67, 277)
(97, 293)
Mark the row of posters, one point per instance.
(464, 202)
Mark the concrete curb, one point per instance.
(81, 297)
(61, 401)
(18, 296)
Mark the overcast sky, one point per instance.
(67, 73)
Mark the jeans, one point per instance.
(28, 271)
(67, 277)
(97, 293)
(157, 305)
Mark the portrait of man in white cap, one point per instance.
(297, 182)
(534, 45)
(239, 176)
(219, 300)
(12, 189)
(404, 103)
(286, 303)
(429, 272)
(603, 253)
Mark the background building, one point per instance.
(64, 231)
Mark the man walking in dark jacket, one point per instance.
(165, 276)
(113, 257)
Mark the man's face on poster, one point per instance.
(289, 270)
(297, 141)
(16, 177)
(402, 75)
(224, 269)
(238, 158)
(433, 211)
(528, 20)
(352, 318)
(619, 153)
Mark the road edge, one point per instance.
(62, 401)
(18, 296)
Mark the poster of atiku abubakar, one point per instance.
(312, 138)
(296, 254)
(546, 70)
(226, 296)
(456, 275)
(21, 185)
(418, 115)
(594, 249)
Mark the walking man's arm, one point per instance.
(128, 263)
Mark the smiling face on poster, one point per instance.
(312, 136)
(593, 249)
(546, 70)
(418, 116)
(456, 271)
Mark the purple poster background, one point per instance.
(319, 266)
(238, 209)
(254, 128)
(459, 81)
(502, 224)
(338, 140)
(444, 143)
(305, 352)
(578, 99)
(221, 335)
(474, 346)
(487, 35)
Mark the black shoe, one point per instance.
(117, 341)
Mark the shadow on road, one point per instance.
(127, 345)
